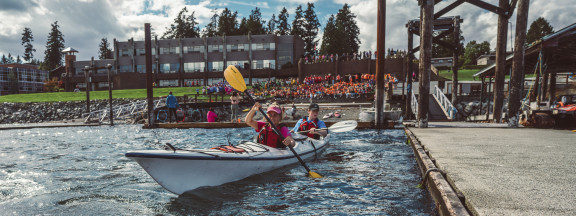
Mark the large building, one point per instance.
(21, 78)
(191, 61)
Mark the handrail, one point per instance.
(444, 103)
(414, 104)
(121, 111)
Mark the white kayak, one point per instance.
(183, 170)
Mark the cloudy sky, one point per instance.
(85, 22)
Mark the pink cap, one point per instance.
(274, 109)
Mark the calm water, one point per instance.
(82, 170)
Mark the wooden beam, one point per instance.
(498, 10)
(448, 9)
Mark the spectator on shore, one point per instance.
(211, 115)
(172, 104)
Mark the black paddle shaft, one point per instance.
(278, 131)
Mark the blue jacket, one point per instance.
(171, 101)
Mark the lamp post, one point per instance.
(109, 67)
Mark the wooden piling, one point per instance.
(426, 30)
(149, 79)
(500, 70)
(380, 58)
(516, 89)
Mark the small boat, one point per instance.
(180, 170)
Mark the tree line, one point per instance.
(341, 34)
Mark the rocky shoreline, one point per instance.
(51, 111)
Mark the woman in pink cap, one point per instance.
(267, 135)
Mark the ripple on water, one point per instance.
(83, 171)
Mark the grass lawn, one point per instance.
(466, 75)
(71, 96)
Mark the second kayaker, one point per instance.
(267, 135)
(311, 123)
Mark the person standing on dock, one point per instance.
(172, 104)
(312, 124)
(266, 134)
(235, 100)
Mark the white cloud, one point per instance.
(85, 22)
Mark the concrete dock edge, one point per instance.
(445, 197)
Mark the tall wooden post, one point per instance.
(552, 86)
(455, 54)
(149, 78)
(500, 69)
(426, 30)
(109, 67)
(518, 64)
(408, 109)
(380, 48)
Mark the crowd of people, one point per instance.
(336, 57)
(329, 86)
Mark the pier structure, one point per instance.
(504, 10)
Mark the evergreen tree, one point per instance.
(4, 60)
(211, 28)
(243, 27)
(298, 23)
(27, 39)
(105, 52)
(332, 39)
(227, 23)
(310, 27)
(271, 27)
(255, 24)
(10, 59)
(474, 50)
(184, 26)
(54, 46)
(18, 60)
(346, 25)
(538, 29)
(283, 28)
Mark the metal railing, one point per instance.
(444, 103)
(121, 111)
(414, 104)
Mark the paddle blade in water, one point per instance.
(234, 78)
(314, 175)
(343, 126)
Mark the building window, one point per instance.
(263, 46)
(126, 68)
(140, 52)
(263, 64)
(169, 50)
(215, 48)
(124, 52)
(238, 64)
(103, 85)
(169, 68)
(168, 83)
(141, 68)
(190, 67)
(194, 82)
(194, 49)
(217, 66)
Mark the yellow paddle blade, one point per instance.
(314, 175)
(234, 77)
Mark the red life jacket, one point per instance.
(269, 137)
(309, 125)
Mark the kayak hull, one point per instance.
(185, 170)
